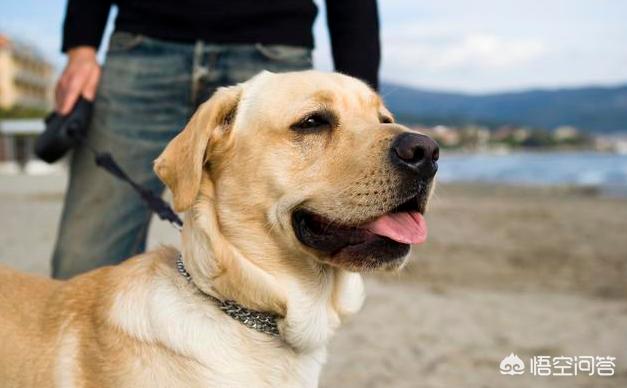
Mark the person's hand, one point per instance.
(79, 78)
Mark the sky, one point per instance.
(478, 46)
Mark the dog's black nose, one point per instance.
(416, 152)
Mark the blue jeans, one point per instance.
(148, 90)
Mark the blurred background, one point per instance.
(527, 251)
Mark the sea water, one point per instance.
(607, 171)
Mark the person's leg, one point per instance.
(231, 64)
(142, 102)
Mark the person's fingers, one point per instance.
(57, 96)
(90, 87)
(60, 91)
(76, 80)
(80, 76)
(63, 92)
(74, 87)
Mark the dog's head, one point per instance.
(311, 162)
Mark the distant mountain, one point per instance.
(592, 109)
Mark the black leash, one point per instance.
(154, 202)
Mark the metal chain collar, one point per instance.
(263, 322)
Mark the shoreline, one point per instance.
(592, 171)
(504, 151)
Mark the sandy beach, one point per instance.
(533, 271)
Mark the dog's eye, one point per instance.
(385, 119)
(313, 122)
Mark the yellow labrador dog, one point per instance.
(292, 184)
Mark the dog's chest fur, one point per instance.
(204, 346)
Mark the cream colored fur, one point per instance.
(238, 171)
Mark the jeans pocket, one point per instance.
(124, 41)
(296, 55)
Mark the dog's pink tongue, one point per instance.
(406, 227)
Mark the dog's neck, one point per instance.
(312, 298)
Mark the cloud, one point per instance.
(440, 50)
(488, 51)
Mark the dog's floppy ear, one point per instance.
(180, 165)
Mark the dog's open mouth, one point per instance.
(386, 236)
